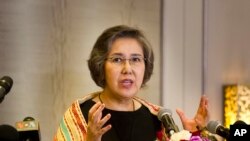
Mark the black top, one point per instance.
(139, 125)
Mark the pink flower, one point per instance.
(195, 138)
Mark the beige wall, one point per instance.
(227, 43)
(182, 59)
(44, 47)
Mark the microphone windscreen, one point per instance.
(239, 122)
(8, 133)
(212, 126)
(163, 112)
(6, 82)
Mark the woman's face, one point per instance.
(124, 68)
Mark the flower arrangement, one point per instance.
(182, 135)
(185, 135)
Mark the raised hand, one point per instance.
(200, 119)
(95, 129)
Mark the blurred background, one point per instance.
(199, 45)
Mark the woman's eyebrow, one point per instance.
(121, 54)
(116, 54)
(137, 54)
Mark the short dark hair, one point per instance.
(102, 48)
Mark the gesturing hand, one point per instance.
(95, 128)
(200, 118)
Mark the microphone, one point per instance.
(165, 116)
(215, 127)
(239, 122)
(8, 133)
(5, 85)
(28, 129)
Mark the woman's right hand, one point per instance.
(95, 128)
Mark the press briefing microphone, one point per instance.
(215, 127)
(5, 85)
(165, 116)
(239, 122)
(8, 133)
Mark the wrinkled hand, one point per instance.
(95, 128)
(200, 119)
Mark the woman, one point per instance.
(121, 62)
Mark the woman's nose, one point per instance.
(127, 68)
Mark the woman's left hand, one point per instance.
(199, 120)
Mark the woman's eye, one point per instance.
(136, 59)
(117, 59)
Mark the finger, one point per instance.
(97, 115)
(94, 108)
(202, 115)
(181, 114)
(206, 105)
(202, 105)
(104, 119)
(95, 112)
(105, 129)
(100, 108)
(204, 100)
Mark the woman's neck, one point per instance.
(116, 103)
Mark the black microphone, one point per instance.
(215, 127)
(165, 116)
(8, 133)
(239, 122)
(5, 85)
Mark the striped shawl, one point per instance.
(73, 126)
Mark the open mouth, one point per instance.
(126, 82)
